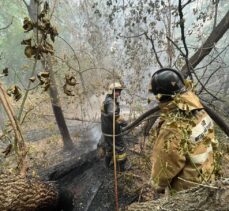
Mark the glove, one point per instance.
(122, 122)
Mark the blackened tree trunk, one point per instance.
(57, 110)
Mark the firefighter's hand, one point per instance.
(122, 122)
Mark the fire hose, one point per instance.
(213, 114)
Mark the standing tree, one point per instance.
(42, 28)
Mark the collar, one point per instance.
(187, 101)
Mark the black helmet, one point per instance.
(167, 82)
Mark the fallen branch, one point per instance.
(20, 147)
(198, 198)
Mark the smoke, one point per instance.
(95, 135)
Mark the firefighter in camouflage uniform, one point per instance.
(110, 109)
(183, 153)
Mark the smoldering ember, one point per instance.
(114, 105)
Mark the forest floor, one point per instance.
(92, 185)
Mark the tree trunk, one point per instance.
(33, 9)
(206, 48)
(199, 198)
(21, 194)
(57, 110)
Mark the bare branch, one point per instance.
(153, 48)
(183, 37)
(7, 26)
(72, 51)
(216, 13)
(53, 9)
(26, 113)
(209, 78)
(204, 88)
(19, 140)
(178, 48)
(213, 58)
(202, 85)
(182, 28)
(26, 4)
(133, 36)
(188, 2)
(79, 71)
(206, 48)
(27, 90)
(97, 68)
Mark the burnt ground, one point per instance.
(86, 184)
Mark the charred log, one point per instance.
(75, 166)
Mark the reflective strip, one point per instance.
(121, 157)
(201, 158)
(201, 129)
(111, 135)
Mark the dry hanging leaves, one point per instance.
(27, 24)
(44, 80)
(15, 91)
(32, 79)
(69, 82)
(67, 91)
(45, 28)
(5, 71)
